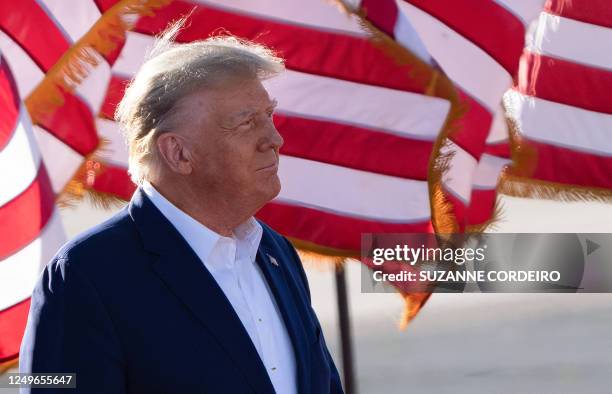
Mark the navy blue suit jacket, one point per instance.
(130, 308)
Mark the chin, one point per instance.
(270, 189)
(275, 188)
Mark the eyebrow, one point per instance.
(249, 113)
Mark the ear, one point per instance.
(174, 151)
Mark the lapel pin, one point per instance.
(272, 260)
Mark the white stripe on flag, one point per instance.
(466, 64)
(562, 125)
(351, 192)
(29, 74)
(409, 38)
(133, 54)
(20, 271)
(526, 10)
(573, 40)
(488, 170)
(93, 88)
(19, 160)
(75, 18)
(499, 129)
(116, 152)
(338, 101)
(60, 160)
(457, 179)
(313, 14)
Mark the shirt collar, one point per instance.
(202, 239)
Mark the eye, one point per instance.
(248, 123)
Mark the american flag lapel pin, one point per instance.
(272, 260)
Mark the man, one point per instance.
(183, 291)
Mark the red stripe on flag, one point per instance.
(329, 229)
(563, 165)
(485, 23)
(114, 94)
(105, 5)
(305, 49)
(354, 147)
(29, 26)
(382, 13)
(73, 124)
(12, 325)
(482, 205)
(501, 149)
(22, 218)
(9, 103)
(596, 12)
(473, 127)
(112, 56)
(566, 82)
(114, 180)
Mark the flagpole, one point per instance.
(345, 328)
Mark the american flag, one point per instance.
(478, 44)
(52, 71)
(562, 104)
(30, 228)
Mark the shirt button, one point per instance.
(273, 369)
(259, 320)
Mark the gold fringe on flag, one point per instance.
(413, 304)
(516, 186)
(320, 257)
(81, 184)
(524, 156)
(5, 366)
(74, 66)
(491, 223)
(517, 181)
(438, 85)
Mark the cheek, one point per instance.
(238, 161)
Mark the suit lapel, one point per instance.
(270, 264)
(185, 275)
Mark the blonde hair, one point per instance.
(173, 71)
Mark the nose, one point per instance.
(276, 138)
(273, 138)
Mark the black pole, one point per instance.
(345, 329)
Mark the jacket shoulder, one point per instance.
(104, 240)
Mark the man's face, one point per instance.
(234, 144)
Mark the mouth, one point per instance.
(271, 168)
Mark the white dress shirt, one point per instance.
(231, 261)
